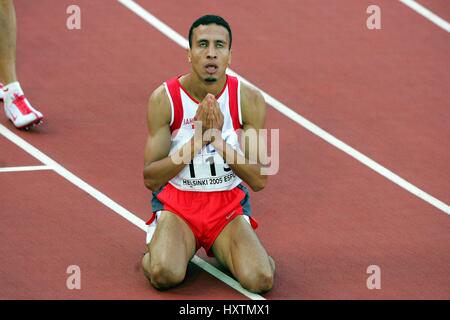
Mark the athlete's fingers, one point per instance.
(214, 117)
(210, 101)
(199, 113)
(206, 101)
(218, 113)
(205, 111)
(210, 118)
(213, 112)
(196, 117)
(213, 109)
(216, 103)
(213, 101)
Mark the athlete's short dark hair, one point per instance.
(209, 19)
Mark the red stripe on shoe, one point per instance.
(20, 103)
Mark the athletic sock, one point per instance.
(12, 89)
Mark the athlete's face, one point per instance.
(210, 54)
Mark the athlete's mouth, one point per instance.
(211, 68)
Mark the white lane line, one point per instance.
(225, 278)
(24, 145)
(27, 168)
(291, 114)
(427, 14)
(155, 22)
(71, 177)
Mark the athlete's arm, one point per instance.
(159, 167)
(253, 108)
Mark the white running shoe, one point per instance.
(18, 109)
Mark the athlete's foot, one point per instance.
(1, 91)
(18, 109)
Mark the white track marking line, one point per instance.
(27, 168)
(225, 278)
(114, 206)
(288, 112)
(427, 14)
(156, 23)
(24, 145)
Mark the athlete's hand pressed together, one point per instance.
(210, 118)
(247, 166)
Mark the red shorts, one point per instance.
(206, 213)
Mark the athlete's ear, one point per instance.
(189, 54)
(229, 57)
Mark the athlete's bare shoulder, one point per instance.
(253, 106)
(158, 108)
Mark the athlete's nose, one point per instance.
(211, 53)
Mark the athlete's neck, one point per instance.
(198, 89)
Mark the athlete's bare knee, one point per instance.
(272, 264)
(145, 263)
(258, 281)
(163, 277)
